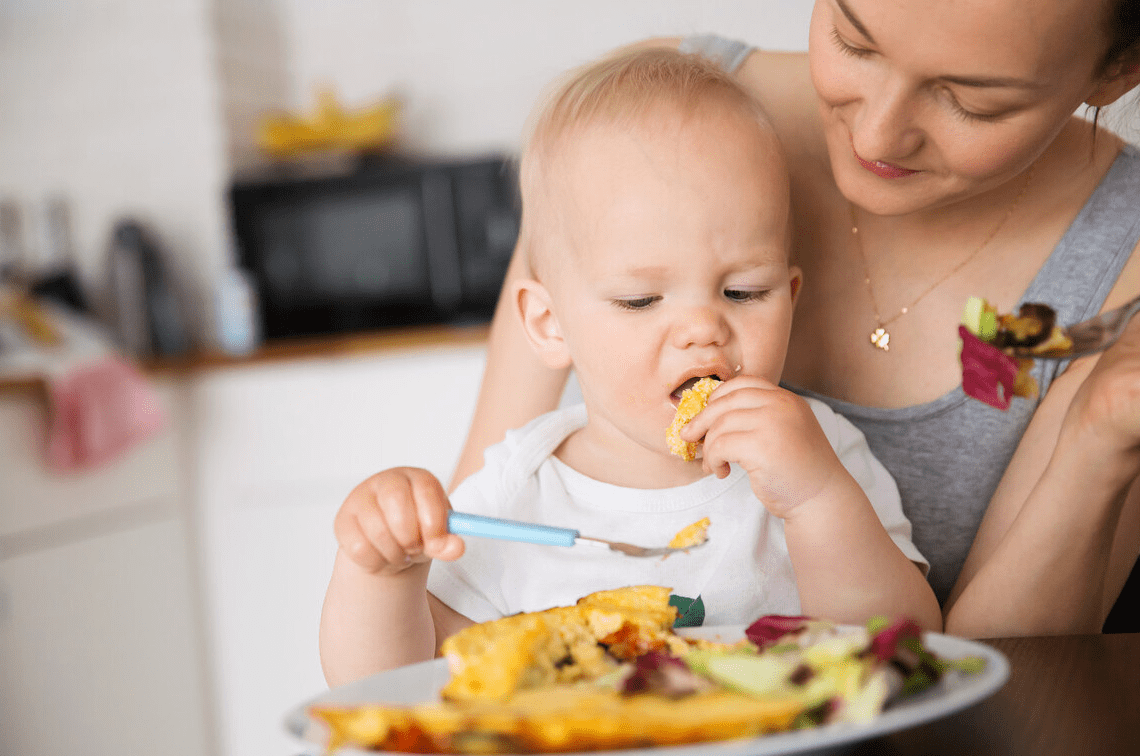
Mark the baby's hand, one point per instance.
(774, 435)
(395, 519)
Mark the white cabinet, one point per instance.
(277, 447)
(169, 602)
(97, 653)
(100, 633)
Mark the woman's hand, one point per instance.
(1058, 538)
(1105, 412)
(774, 435)
(395, 519)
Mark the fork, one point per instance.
(1089, 336)
(462, 523)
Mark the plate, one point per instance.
(954, 692)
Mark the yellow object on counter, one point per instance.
(285, 135)
(30, 317)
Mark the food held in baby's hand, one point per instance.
(990, 370)
(693, 400)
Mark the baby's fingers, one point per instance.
(353, 541)
(414, 509)
(740, 393)
(432, 509)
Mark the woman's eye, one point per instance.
(747, 295)
(640, 303)
(845, 47)
(966, 114)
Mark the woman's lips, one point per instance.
(885, 170)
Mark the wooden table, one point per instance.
(1068, 695)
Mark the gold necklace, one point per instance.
(881, 337)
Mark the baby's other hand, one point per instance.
(771, 433)
(396, 519)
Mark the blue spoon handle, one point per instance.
(509, 530)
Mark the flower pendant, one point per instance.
(881, 339)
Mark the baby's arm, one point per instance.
(847, 566)
(377, 613)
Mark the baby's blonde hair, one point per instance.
(617, 91)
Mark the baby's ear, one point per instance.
(534, 308)
(796, 280)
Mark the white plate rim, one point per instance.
(954, 693)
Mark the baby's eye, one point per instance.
(638, 303)
(747, 295)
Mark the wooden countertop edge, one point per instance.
(319, 347)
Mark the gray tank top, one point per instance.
(948, 455)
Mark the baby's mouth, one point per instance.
(675, 397)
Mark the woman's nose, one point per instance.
(885, 127)
(700, 326)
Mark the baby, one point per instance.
(656, 229)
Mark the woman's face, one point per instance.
(926, 102)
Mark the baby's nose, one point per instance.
(701, 326)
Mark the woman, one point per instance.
(935, 156)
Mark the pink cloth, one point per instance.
(99, 411)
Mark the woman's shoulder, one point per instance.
(781, 82)
(1112, 219)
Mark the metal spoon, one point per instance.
(462, 523)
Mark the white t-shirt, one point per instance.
(743, 572)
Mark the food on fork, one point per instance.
(652, 688)
(693, 400)
(991, 372)
(691, 535)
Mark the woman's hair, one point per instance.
(619, 91)
(1123, 32)
(1123, 26)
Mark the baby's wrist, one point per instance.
(413, 576)
(825, 503)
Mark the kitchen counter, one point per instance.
(333, 345)
(319, 347)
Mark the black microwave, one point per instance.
(395, 242)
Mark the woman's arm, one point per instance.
(516, 386)
(1060, 534)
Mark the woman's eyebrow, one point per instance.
(965, 81)
(992, 81)
(855, 21)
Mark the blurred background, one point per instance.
(175, 434)
(247, 253)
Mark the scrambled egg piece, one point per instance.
(691, 535)
(493, 660)
(554, 720)
(693, 400)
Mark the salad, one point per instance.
(997, 349)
